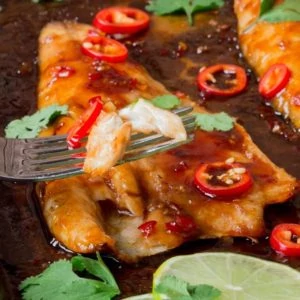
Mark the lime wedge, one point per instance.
(238, 277)
(140, 297)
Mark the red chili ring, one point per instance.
(281, 239)
(206, 184)
(207, 75)
(123, 20)
(274, 81)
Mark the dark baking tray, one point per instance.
(24, 245)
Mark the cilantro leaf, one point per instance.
(166, 101)
(265, 6)
(289, 10)
(203, 292)
(178, 289)
(173, 287)
(98, 269)
(30, 126)
(59, 282)
(205, 5)
(164, 7)
(209, 122)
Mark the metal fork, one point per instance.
(49, 158)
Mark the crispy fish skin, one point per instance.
(156, 188)
(265, 44)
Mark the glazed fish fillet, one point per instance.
(265, 44)
(103, 213)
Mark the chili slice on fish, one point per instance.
(122, 20)
(105, 49)
(274, 81)
(221, 179)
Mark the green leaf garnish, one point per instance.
(166, 101)
(265, 6)
(60, 282)
(289, 10)
(164, 7)
(209, 122)
(30, 126)
(96, 268)
(176, 289)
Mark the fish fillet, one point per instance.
(265, 44)
(158, 188)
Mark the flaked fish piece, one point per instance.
(106, 143)
(146, 118)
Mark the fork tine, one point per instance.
(153, 150)
(46, 174)
(54, 174)
(58, 150)
(56, 159)
(182, 110)
(154, 138)
(50, 158)
(37, 142)
(53, 162)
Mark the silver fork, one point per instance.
(49, 158)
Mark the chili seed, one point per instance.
(87, 45)
(229, 160)
(239, 170)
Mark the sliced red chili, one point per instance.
(223, 180)
(207, 81)
(103, 48)
(121, 20)
(285, 239)
(85, 122)
(274, 80)
(147, 228)
(181, 225)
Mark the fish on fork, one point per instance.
(50, 158)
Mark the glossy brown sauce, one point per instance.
(172, 53)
